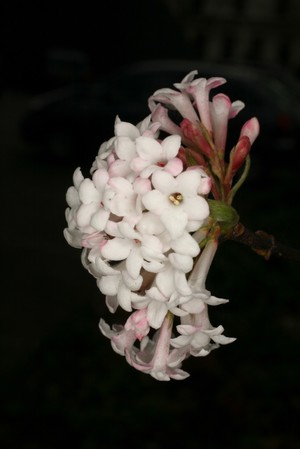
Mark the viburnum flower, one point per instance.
(177, 201)
(149, 217)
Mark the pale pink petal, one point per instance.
(186, 329)
(116, 249)
(120, 185)
(72, 197)
(165, 282)
(87, 192)
(150, 224)
(189, 182)
(85, 212)
(153, 266)
(196, 208)
(104, 268)
(132, 283)
(108, 285)
(160, 115)
(99, 219)
(155, 201)
(112, 303)
(175, 220)
(170, 146)
(200, 340)
(127, 231)
(154, 294)
(77, 178)
(156, 313)
(164, 182)
(124, 297)
(126, 129)
(180, 342)
(142, 186)
(123, 205)
(134, 263)
(236, 107)
(125, 148)
(152, 248)
(181, 284)
(193, 306)
(148, 149)
(186, 80)
(181, 262)
(174, 166)
(186, 244)
(100, 179)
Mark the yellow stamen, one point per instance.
(176, 198)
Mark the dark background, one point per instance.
(61, 383)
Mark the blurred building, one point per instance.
(255, 31)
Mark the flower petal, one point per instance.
(116, 249)
(156, 313)
(175, 221)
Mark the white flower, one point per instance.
(154, 155)
(139, 250)
(177, 202)
(196, 332)
(86, 212)
(123, 338)
(155, 357)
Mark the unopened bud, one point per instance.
(239, 153)
(192, 132)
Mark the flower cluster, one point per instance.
(144, 224)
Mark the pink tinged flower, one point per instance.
(123, 338)
(138, 323)
(196, 333)
(221, 110)
(155, 357)
(120, 338)
(200, 89)
(160, 116)
(153, 155)
(176, 100)
(176, 201)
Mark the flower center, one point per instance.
(175, 198)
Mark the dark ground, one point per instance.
(61, 384)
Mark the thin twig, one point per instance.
(262, 243)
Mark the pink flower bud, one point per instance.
(240, 152)
(250, 129)
(192, 132)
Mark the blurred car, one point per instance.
(72, 122)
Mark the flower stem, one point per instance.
(262, 243)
